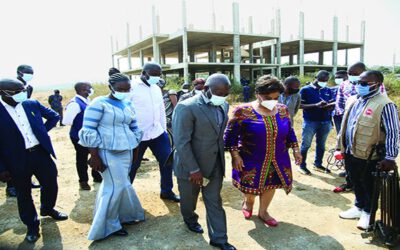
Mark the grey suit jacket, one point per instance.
(197, 137)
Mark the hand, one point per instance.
(196, 178)
(321, 104)
(96, 163)
(387, 165)
(237, 163)
(297, 157)
(5, 176)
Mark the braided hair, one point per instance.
(118, 77)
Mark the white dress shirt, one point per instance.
(73, 109)
(150, 109)
(18, 114)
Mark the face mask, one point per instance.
(120, 95)
(153, 80)
(217, 100)
(197, 91)
(293, 91)
(322, 84)
(269, 104)
(362, 90)
(185, 90)
(20, 97)
(338, 80)
(91, 92)
(354, 78)
(27, 77)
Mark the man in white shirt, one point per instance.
(150, 110)
(74, 116)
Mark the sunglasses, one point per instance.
(364, 84)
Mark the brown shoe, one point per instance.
(84, 185)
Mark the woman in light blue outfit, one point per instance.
(111, 134)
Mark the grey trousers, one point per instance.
(216, 218)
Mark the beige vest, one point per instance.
(367, 131)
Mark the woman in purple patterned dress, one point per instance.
(258, 137)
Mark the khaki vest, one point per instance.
(368, 130)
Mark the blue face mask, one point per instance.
(153, 80)
(354, 79)
(120, 95)
(27, 77)
(20, 97)
(363, 90)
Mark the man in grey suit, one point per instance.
(199, 163)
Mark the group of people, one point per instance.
(117, 129)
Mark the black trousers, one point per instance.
(360, 173)
(39, 164)
(82, 155)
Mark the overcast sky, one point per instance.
(69, 41)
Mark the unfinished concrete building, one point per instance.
(189, 52)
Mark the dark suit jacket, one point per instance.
(197, 137)
(12, 144)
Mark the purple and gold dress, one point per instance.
(262, 142)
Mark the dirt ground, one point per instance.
(308, 216)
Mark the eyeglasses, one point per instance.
(364, 83)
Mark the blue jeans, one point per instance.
(321, 130)
(337, 119)
(161, 149)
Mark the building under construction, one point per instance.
(189, 52)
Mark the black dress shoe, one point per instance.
(121, 232)
(170, 196)
(98, 180)
(11, 192)
(223, 246)
(54, 214)
(195, 227)
(32, 237)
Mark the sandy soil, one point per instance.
(308, 215)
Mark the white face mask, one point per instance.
(322, 84)
(269, 104)
(91, 92)
(217, 100)
(197, 91)
(354, 78)
(338, 80)
(120, 95)
(153, 80)
(185, 90)
(27, 77)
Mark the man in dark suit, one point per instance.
(28, 154)
(199, 163)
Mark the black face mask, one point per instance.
(293, 91)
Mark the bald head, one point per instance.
(11, 84)
(356, 69)
(218, 84)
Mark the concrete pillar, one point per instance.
(127, 44)
(140, 32)
(272, 59)
(335, 44)
(112, 51)
(192, 56)
(362, 41)
(180, 56)
(141, 56)
(163, 59)
(250, 24)
(118, 63)
(278, 42)
(322, 35)
(116, 44)
(156, 50)
(185, 43)
(290, 59)
(214, 53)
(321, 58)
(261, 55)
(346, 59)
(301, 45)
(236, 43)
(222, 56)
(273, 27)
(158, 24)
(251, 52)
